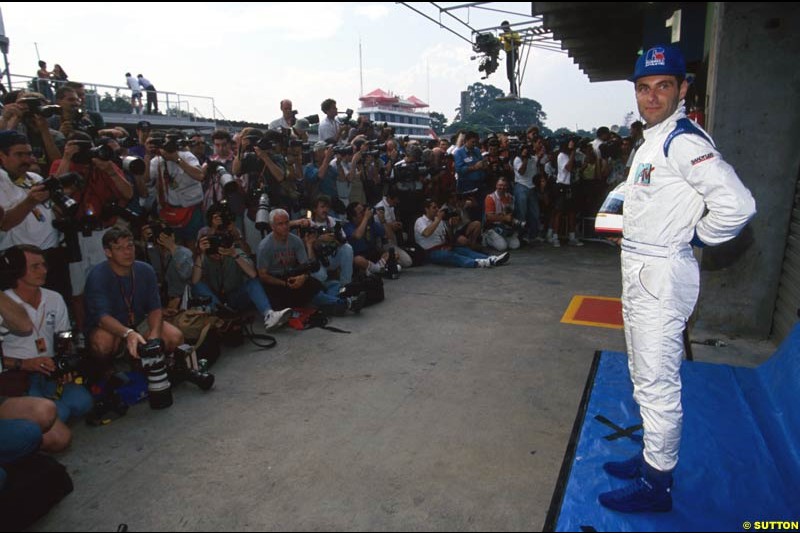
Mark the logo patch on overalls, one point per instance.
(643, 172)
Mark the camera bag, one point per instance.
(34, 485)
(372, 285)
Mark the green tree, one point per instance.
(438, 122)
(115, 104)
(490, 114)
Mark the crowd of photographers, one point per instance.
(127, 226)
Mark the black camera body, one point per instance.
(158, 228)
(413, 171)
(309, 268)
(35, 106)
(65, 359)
(55, 186)
(219, 240)
(343, 150)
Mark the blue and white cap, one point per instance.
(659, 60)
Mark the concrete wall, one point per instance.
(754, 89)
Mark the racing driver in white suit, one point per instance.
(679, 193)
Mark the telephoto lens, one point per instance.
(154, 363)
(262, 215)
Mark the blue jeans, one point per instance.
(328, 299)
(18, 438)
(342, 259)
(75, 400)
(458, 256)
(251, 293)
(526, 207)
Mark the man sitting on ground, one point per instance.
(431, 233)
(123, 304)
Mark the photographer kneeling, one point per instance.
(285, 271)
(223, 272)
(123, 303)
(431, 234)
(47, 374)
(501, 227)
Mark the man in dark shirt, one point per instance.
(122, 302)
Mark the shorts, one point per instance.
(562, 198)
(136, 94)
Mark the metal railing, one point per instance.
(173, 104)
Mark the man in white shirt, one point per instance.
(28, 212)
(329, 126)
(136, 93)
(287, 119)
(562, 202)
(34, 353)
(430, 233)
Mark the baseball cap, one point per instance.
(9, 138)
(658, 60)
(143, 125)
(320, 145)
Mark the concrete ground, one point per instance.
(448, 407)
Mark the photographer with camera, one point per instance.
(363, 127)
(563, 203)
(320, 174)
(123, 304)
(365, 236)
(329, 127)
(409, 181)
(393, 229)
(526, 196)
(103, 183)
(48, 374)
(26, 424)
(287, 119)
(470, 166)
(501, 227)
(497, 165)
(72, 117)
(223, 271)
(221, 183)
(432, 236)
(27, 113)
(339, 258)
(171, 262)
(29, 215)
(179, 188)
(285, 271)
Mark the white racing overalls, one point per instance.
(679, 188)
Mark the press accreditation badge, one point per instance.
(41, 345)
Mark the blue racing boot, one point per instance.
(628, 469)
(649, 493)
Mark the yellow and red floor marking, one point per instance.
(595, 311)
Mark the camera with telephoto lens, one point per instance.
(187, 367)
(226, 179)
(87, 152)
(343, 150)
(263, 208)
(517, 225)
(65, 359)
(133, 165)
(55, 186)
(154, 364)
(35, 106)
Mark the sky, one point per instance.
(249, 56)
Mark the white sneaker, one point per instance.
(501, 259)
(575, 242)
(555, 242)
(483, 263)
(275, 319)
(538, 240)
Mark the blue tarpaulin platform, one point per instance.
(740, 449)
